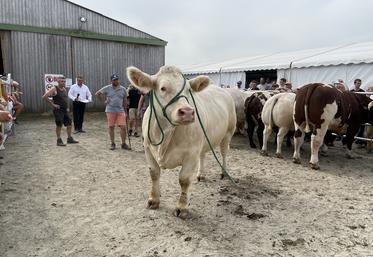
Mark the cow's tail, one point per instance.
(271, 121)
(306, 103)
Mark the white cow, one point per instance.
(278, 112)
(184, 143)
(239, 98)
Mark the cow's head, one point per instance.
(172, 91)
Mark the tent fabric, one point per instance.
(229, 78)
(348, 73)
(354, 53)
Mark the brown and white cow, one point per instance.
(253, 111)
(370, 129)
(184, 143)
(278, 112)
(319, 107)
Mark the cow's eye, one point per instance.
(163, 89)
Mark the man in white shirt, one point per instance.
(262, 84)
(80, 95)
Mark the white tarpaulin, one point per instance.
(325, 65)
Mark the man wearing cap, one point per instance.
(115, 96)
(60, 110)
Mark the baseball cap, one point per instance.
(114, 77)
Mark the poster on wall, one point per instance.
(51, 80)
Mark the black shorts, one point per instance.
(62, 117)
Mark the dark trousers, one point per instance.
(78, 115)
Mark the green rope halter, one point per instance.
(179, 95)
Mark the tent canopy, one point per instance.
(355, 53)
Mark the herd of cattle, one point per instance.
(174, 137)
(314, 108)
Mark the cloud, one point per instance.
(204, 31)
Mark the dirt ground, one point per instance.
(85, 200)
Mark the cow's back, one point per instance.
(278, 110)
(311, 99)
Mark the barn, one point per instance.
(325, 65)
(60, 37)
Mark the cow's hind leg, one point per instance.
(155, 173)
(280, 138)
(298, 142)
(187, 171)
(224, 148)
(266, 134)
(317, 140)
(201, 169)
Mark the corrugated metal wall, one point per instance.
(32, 55)
(35, 54)
(97, 60)
(62, 14)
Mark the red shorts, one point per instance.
(116, 118)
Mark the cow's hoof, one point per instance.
(201, 178)
(253, 146)
(296, 160)
(315, 166)
(279, 155)
(181, 213)
(264, 153)
(152, 204)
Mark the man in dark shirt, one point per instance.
(60, 110)
(357, 84)
(134, 96)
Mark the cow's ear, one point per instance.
(139, 79)
(199, 83)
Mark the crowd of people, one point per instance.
(10, 104)
(285, 86)
(120, 101)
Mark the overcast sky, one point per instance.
(200, 31)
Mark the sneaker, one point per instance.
(125, 146)
(130, 132)
(112, 147)
(71, 140)
(60, 142)
(135, 134)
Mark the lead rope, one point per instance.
(225, 172)
(177, 97)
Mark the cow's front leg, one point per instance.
(185, 176)
(200, 174)
(155, 173)
(250, 131)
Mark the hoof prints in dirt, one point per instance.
(251, 216)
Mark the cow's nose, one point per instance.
(186, 114)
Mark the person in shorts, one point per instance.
(60, 110)
(115, 97)
(134, 96)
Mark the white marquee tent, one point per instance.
(346, 62)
